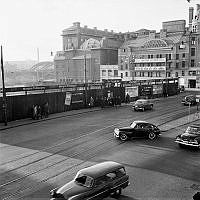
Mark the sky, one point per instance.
(31, 26)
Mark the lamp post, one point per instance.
(4, 91)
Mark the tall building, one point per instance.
(173, 52)
(84, 50)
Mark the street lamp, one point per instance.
(85, 70)
(4, 91)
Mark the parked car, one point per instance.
(143, 104)
(95, 182)
(191, 137)
(189, 99)
(137, 129)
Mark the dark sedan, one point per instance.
(143, 104)
(191, 137)
(137, 129)
(189, 100)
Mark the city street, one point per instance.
(38, 157)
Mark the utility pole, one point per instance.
(85, 77)
(4, 91)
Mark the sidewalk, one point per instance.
(180, 121)
(26, 121)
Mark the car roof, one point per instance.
(140, 121)
(101, 168)
(195, 125)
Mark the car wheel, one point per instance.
(152, 135)
(123, 137)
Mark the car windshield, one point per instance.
(133, 125)
(194, 130)
(84, 180)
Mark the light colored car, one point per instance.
(143, 104)
(96, 182)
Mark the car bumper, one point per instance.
(116, 134)
(187, 143)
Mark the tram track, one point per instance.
(81, 154)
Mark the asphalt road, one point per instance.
(38, 157)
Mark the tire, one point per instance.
(123, 137)
(152, 136)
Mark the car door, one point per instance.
(119, 180)
(100, 189)
(139, 130)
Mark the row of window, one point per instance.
(148, 74)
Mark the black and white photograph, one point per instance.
(100, 100)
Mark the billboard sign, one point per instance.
(132, 91)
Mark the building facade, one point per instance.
(173, 52)
(88, 55)
(84, 50)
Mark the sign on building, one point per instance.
(157, 89)
(132, 91)
(68, 98)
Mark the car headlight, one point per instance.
(116, 130)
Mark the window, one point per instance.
(151, 56)
(121, 67)
(183, 73)
(126, 74)
(160, 55)
(157, 56)
(183, 64)
(126, 66)
(177, 56)
(103, 72)
(192, 51)
(177, 65)
(192, 63)
(121, 75)
(170, 57)
(193, 41)
(109, 72)
(183, 55)
(176, 74)
(115, 73)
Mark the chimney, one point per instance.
(191, 11)
(163, 33)
(85, 26)
(106, 30)
(152, 34)
(76, 24)
(95, 28)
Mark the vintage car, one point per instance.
(143, 104)
(95, 182)
(137, 129)
(189, 100)
(191, 137)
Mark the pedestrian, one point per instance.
(35, 112)
(127, 99)
(46, 109)
(91, 104)
(39, 112)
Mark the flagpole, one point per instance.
(4, 91)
